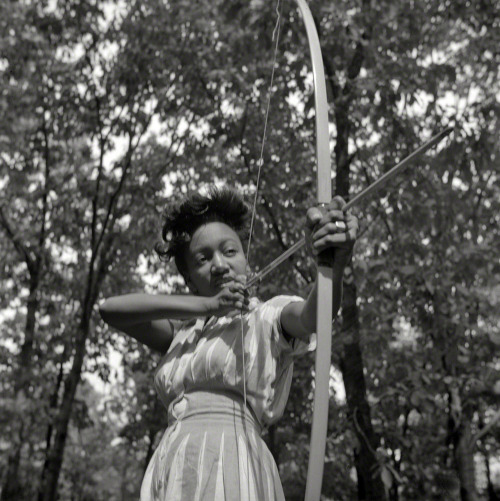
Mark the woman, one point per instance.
(212, 448)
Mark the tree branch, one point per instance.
(481, 433)
(22, 249)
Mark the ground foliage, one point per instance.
(110, 110)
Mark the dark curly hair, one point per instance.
(182, 219)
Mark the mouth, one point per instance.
(219, 283)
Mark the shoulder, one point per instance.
(279, 302)
(270, 311)
(270, 317)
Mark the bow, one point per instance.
(324, 311)
(324, 278)
(325, 272)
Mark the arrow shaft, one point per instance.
(377, 185)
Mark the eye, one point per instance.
(201, 259)
(230, 252)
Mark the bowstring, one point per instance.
(260, 163)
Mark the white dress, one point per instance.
(212, 449)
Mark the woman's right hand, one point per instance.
(232, 296)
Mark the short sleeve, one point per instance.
(293, 347)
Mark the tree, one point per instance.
(122, 110)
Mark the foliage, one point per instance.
(111, 109)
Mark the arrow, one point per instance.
(379, 183)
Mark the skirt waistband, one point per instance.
(214, 407)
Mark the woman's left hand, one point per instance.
(331, 228)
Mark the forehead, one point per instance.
(212, 235)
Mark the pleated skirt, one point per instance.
(213, 453)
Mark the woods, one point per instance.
(110, 110)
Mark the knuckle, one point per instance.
(338, 201)
(337, 215)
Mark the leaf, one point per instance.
(496, 388)
(409, 269)
(494, 337)
(415, 398)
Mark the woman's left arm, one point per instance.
(333, 230)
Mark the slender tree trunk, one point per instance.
(53, 404)
(272, 443)
(12, 489)
(492, 495)
(370, 485)
(464, 460)
(53, 461)
(123, 482)
(33, 257)
(463, 447)
(54, 457)
(149, 452)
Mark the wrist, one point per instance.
(208, 306)
(342, 257)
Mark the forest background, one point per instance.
(111, 109)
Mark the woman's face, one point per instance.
(214, 256)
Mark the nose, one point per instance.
(219, 264)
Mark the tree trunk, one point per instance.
(370, 485)
(492, 495)
(54, 458)
(464, 460)
(33, 257)
(12, 488)
(272, 443)
(53, 403)
(463, 447)
(123, 481)
(149, 452)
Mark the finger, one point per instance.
(241, 302)
(349, 216)
(352, 234)
(328, 229)
(241, 279)
(313, 217)
(352, 227)
(237, 290)
(238, 283)
(239, 295)
(333, 215)
(329, 241)
(243, 307)
(337, 202)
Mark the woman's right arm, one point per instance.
(147, 317)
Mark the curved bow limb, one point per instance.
(325, 274)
